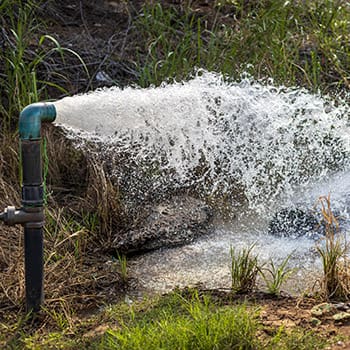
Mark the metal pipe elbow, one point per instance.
(31, 118)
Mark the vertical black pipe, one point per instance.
(32, 202)
(34, 267)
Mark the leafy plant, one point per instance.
(278, 275)
(244, 270)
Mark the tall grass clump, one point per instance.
(295, 42)
(25, 59)
(18, 81)
(335, 282)
(244, 270)
(195, 324)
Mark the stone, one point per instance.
(175, 221)
(341, 316)
(322, 309)
(293, 222)
(315, 321)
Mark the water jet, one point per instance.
(217, 140)
(31, 213)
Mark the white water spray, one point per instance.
(279, 145)
(222, 135)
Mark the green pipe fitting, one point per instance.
(31, 118)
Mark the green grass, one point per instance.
(179, 320)
(123, 266)
(197, 326)
(244, 270)
(294, 42)
(275, 275)
(24, 53)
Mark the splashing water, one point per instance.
(278, 146)
(221, 135)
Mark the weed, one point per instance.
(123, 267)
(185, 320)
(335, 282)
(278, 275)
(244, 270)
(63, 319)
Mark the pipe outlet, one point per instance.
(31, 118)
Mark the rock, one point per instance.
(315, 321)
(293, 222)
(341, 316)
(322, 309)
(173, 222)
(342, 306)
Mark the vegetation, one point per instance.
(179, 320)
(244, 270)
(335, 282)
(278, 275)
(123, 265)
(291, 41)
(302, 43)
(26, 75)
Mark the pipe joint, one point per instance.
(32, 196)
(31, 118)
(31, 216)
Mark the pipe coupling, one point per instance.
(12, 216)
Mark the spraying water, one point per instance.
(252, 143)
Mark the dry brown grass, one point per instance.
(335, 282)
(82, 215)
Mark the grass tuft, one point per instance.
(244, 270)
(335, 282)
(197, 325)
(278, 275)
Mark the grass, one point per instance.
(295, 42)
(22, 81)
(335, 282)
(180, 320)
(195, 325)
(278, 274)
(123, 266)
(244, 270)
